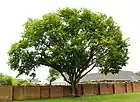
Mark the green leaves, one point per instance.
(53, 75)
(5, 80)
(72, 41)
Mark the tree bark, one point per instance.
(74, 87)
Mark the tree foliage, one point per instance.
(5, 80)
(22, 82)
(53, 75)
(8, 80)
(73, 42)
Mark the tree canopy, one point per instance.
(73, 42)
(5, 79)
(8, 80)
(53, 75)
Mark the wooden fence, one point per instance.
(41, 92)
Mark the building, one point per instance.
(121, 76)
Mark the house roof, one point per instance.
(122, 75)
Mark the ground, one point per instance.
(127, 97)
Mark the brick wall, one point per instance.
(129, 87)
(106, 88)
(66, 91)
(136, 87)
(18, 92)
(6, 93)
(120, 88)
(32, 92)
(56, 91)
(44, 92)
(40, 92)
(90, 89)
(28, 92)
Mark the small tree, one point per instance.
(53, 75)
(22, 82)
(71, 41)
(6, 80)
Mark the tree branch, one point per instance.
(65, 78)
(44, 62)
(79, 77)
(83, 69)
(85, 73)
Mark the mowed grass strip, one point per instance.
(127, 97)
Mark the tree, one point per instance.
(138, 73)
(53, 75)
(22, 82)
(73, 42)
(8, 80)
(5, 80)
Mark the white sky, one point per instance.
(14, 13)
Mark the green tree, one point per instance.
(5, 80)
(15, 82)
(53, 75)
(8, 80)
(73, 42)
(22, 82)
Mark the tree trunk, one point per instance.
(50, 83)
(74, 87)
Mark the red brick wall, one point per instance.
(129, 87)
(56, 91)
(37, 92)
(32, 92)
(90, 89)
(28, 92)
(120, 88)
(136, 86)
(44, 92)
(106, 88)
(18, 93)
(6, 93)
(66, 91)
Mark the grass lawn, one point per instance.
(129, 97)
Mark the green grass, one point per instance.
(129, 97)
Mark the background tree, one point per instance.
(73, 42)
(24, 82)
(138, 73)
(5, 80)
(53, 75)
(8, 80)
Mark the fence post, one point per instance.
(62, 91)
(99, 89)
(126, 87)
(113, 88)
(132, 87)
(50, 91)
(40, 91)
(12, 93)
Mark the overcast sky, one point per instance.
(14, 13)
